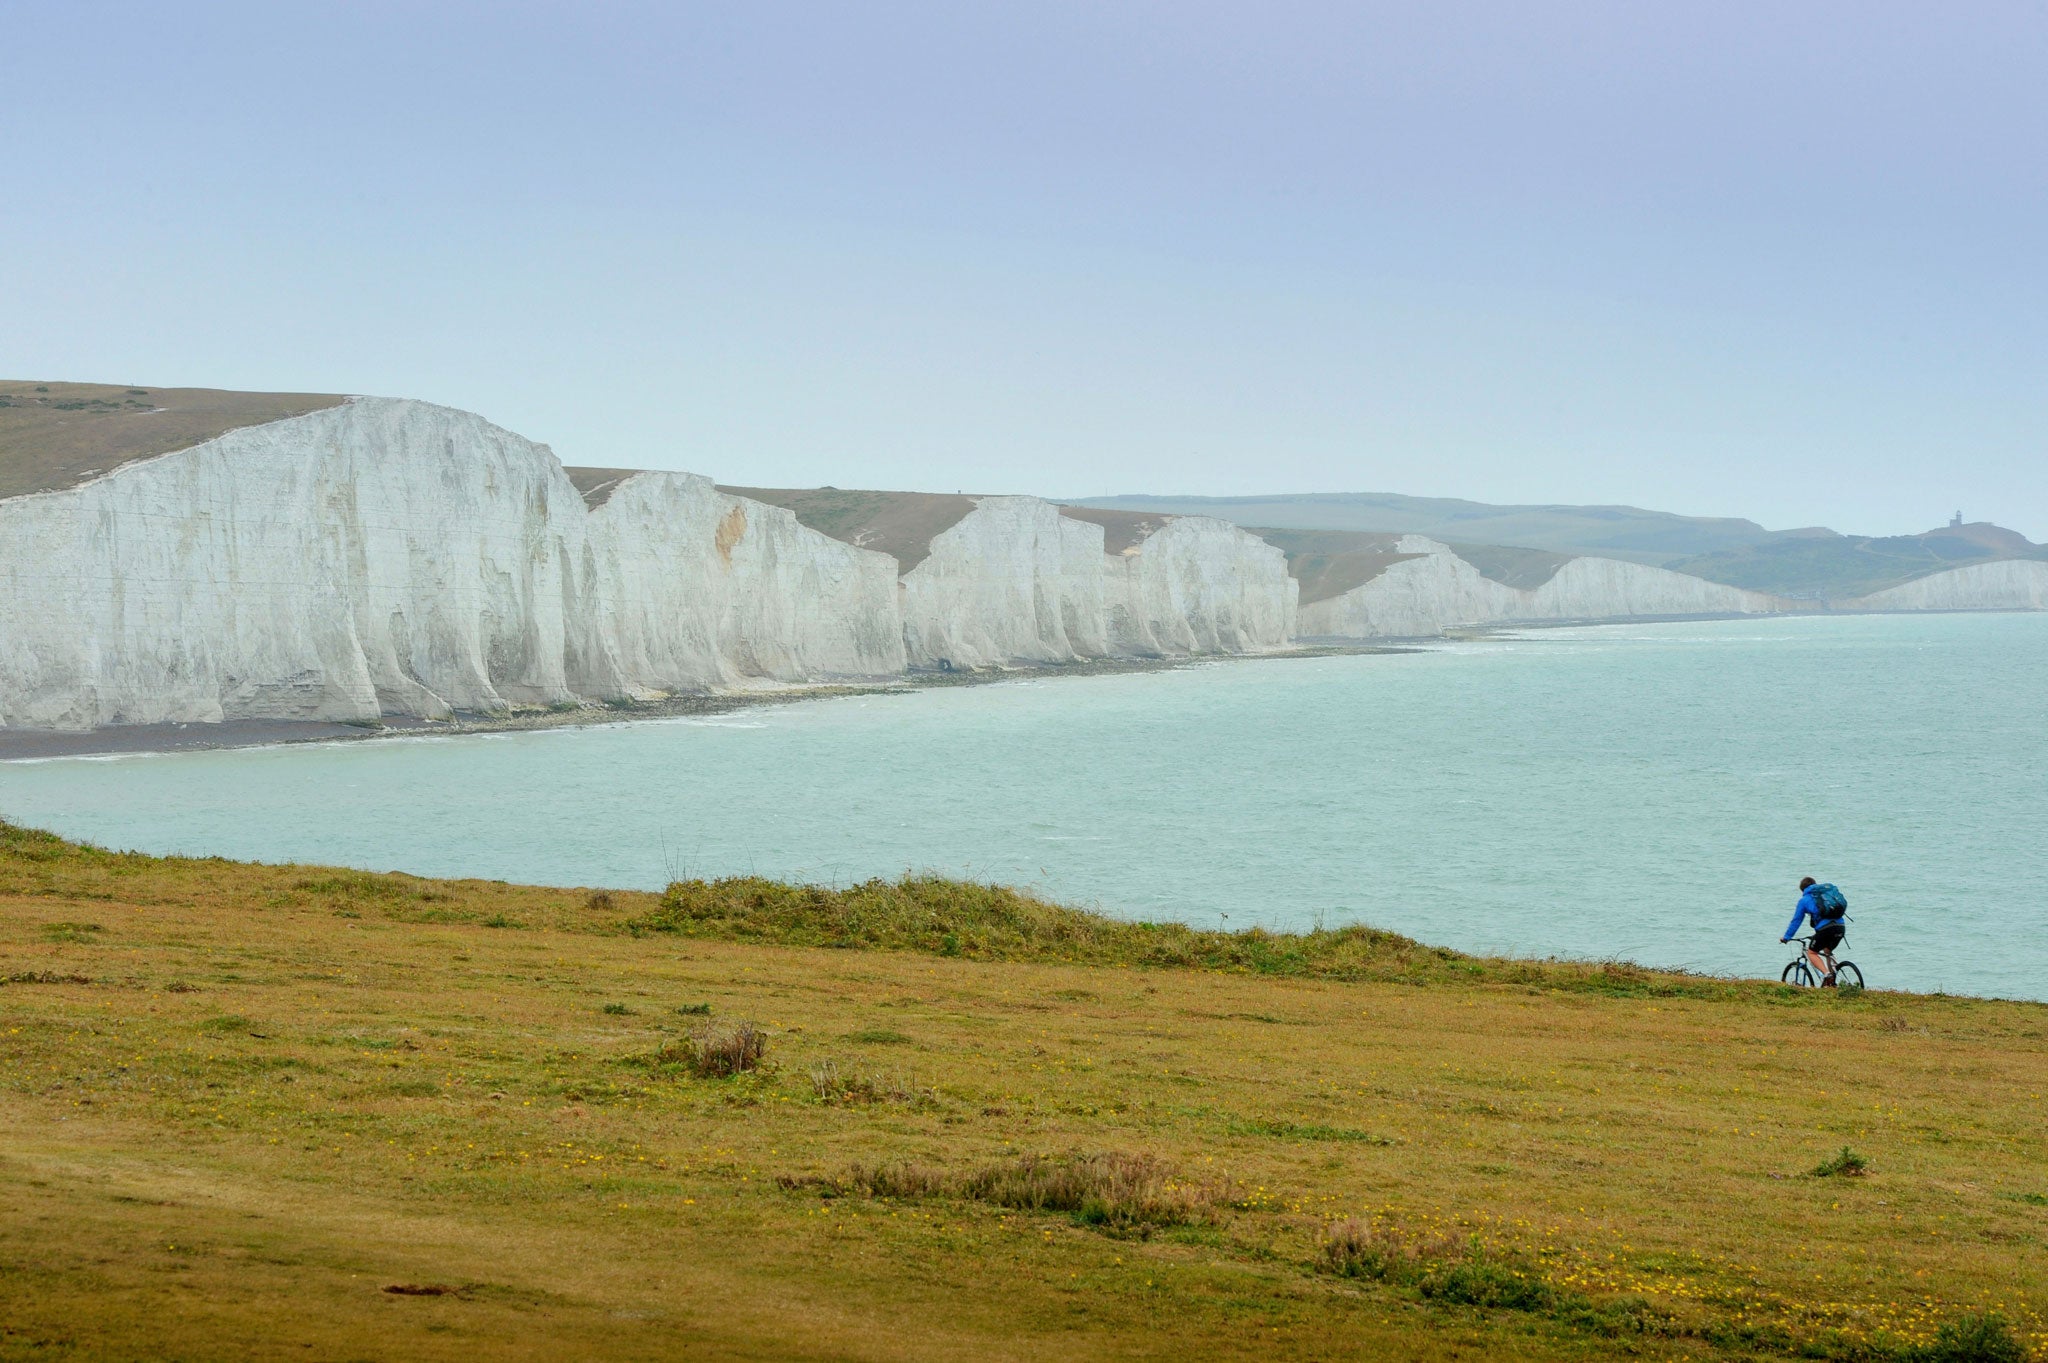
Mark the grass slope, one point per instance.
(57, 435)
(265, 1111)
(901, 524)
(1842, 567)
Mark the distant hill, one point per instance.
(1814, 564)
(1821, 565)
(1625, 532)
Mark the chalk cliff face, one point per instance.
(382, 556)
(1438, 589)
(2013, 584)
(394, 557)
(699, 590)
(377, 556)
(1199, 585)
(1013, 581)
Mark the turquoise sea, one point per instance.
(1650, 792)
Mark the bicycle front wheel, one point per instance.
(1799, 975)
(1847, 976)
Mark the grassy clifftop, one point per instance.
(253, 1108)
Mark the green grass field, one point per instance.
(264, 1112)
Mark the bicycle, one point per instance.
(1799, 973)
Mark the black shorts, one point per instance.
(1829, 937)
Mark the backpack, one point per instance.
(1831, 902)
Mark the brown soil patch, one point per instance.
(597, 485)
(1122, 531)
(901, 524)
(1526, 569)
(732, 526)
(1329, 563)
(58, 435)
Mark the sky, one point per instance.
(1780, 260)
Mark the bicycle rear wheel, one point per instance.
(1847, 976)
(1799, 975)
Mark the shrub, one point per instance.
(695, 1009)
(618, 1010)
(1844, 1163)
(831, 1086)
(1119, 1192)
(1973, 1339)
(718, 1052)
(1365, 1249)
(1481, 1281)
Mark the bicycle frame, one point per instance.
(1807, 953)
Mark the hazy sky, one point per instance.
(1785, 260)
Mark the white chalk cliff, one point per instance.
(1199, 585)
(1013, 581)
(2007, 585)
(389, 557)
(698, 590)
(385, 557)
(373, 557)
(1434, 589)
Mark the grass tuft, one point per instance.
(1307, 1131)
(878, 1036)
(1982, 1338)
(717, 1052)
(830, 1085)
(1114, 1191)
(1844, 1163)
(1364, 1249)
(71, 932)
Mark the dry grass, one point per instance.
(993, 922)
(717, 1052)
(257, 1097)
(1112, 1189)
(56, 435)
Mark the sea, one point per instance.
(1647, 792)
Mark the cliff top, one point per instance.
(1122, 531)
(901, 524)
(58, 435)
(597, 485)
(1610, 1056)
(1329, 563)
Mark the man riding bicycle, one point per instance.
(1825, 905)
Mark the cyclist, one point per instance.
(1827, 908)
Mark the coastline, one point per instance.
(29, 745)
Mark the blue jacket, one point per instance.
(1809, 907)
